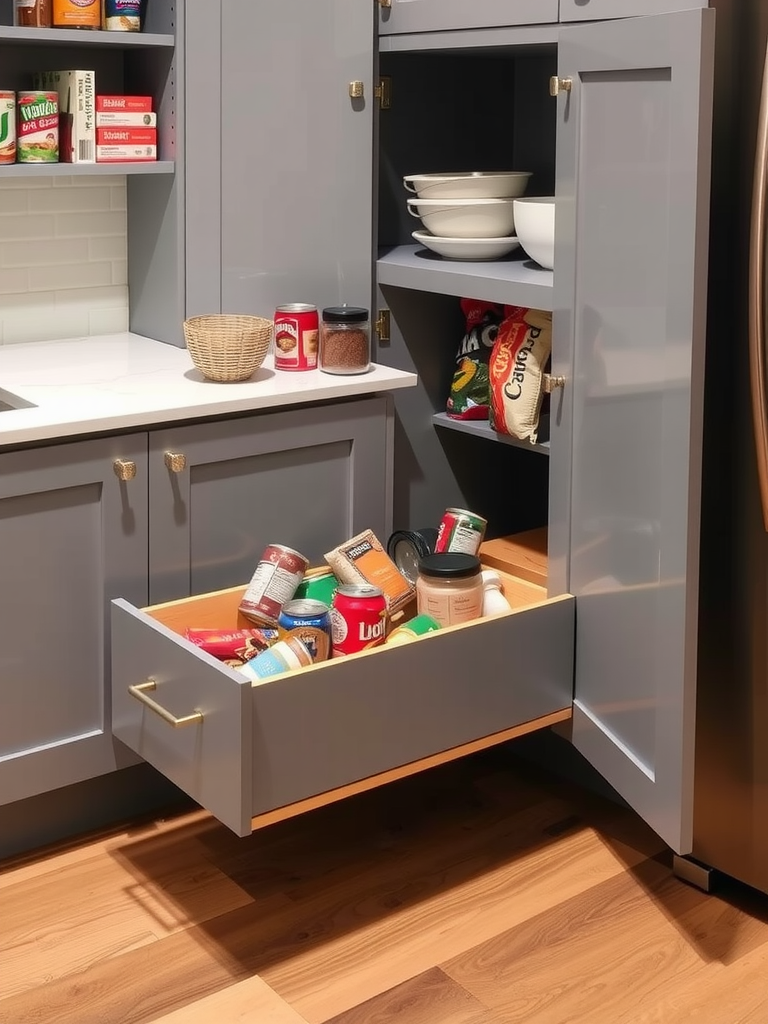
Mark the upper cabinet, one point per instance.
(633, 156)
(596, 10)
(437, 15)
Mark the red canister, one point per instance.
(296, 337)
(358, 618)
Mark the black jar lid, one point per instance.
(345, 314)
(449, 565)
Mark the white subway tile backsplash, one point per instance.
(63, 257)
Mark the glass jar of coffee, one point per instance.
(345, 340)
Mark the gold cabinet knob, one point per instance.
(124, 469)
(385, 3)
(550, 383)
(558, 85)
(356, 90)
(176, 462)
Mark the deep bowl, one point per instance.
(465, 218)
(535, 228)
(468, 184)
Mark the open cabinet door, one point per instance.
(296, 153)
(632, 236)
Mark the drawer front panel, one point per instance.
(352, 718)
(596, 10)
(210, 761)
(439, 15)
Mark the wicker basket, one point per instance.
(225, 347)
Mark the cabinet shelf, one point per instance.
(481, 428)
(516, 281)
(73, 37)
(70, 170)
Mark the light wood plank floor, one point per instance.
(482, 892)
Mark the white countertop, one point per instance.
(121, 381)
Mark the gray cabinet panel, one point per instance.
(290, 738)
(438, 15)
(309, 478)
(296, 197)
(72, 538)
(633, 158)
(595, 10)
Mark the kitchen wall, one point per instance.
(63, 257)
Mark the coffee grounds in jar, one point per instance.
(347, 349)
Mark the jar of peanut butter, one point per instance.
(450, 587)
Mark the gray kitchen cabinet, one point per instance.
(440, 15)
(596, 10)
(72, 536)
(306, 477)
(617, 482)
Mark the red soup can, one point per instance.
(358, 618)
(296, 334)
(460, 530)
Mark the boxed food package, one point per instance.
(125, 119)
(125, 104)
(77, 112)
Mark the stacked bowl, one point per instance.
(467, 215)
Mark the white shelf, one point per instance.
(79, 37)
(481, 428)
(515, 280)
(70, 170)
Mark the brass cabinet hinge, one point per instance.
(385, 3)
(382, 326)
(383, 92)
(550, 383)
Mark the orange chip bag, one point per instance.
(362, 559)
(516, 370)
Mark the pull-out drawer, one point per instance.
(254, 753)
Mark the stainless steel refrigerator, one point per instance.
(730, 822)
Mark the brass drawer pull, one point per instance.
(139, 691)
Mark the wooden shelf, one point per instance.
(71, 170)
(516, 280)
(481, 428)
(75, 37)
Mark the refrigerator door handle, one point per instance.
(757, 282)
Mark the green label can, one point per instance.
(7, 127)
(419, 625)
(460, 531)
(38, 128)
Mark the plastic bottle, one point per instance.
(494, 602)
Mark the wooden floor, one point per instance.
(480, 893)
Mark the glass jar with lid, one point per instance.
(345, 340)
(450, 587)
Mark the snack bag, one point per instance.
(470, 394)
(520, 356)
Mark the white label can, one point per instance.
(7, 127)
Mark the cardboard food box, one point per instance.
(77, 113)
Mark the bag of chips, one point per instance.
(470, 392)
(516, 369)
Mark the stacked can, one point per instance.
(358, 618)
(296, 336)
(460, 531)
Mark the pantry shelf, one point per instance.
(516, 281)
(72, 170)
(72, 37)
(481, 428)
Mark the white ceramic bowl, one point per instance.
(535, 227)
(465, 218)
(467, 248)
(468, 184)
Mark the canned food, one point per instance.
(76, 14)
(278, 574)
(310, 621)
(38, 128)
(284, 656)
(419, 625)
(296, 334)
(358, 618)
(7, 127)
(460, 530)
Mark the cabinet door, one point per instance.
(438, 15)
(308, 478)
(595, 10)
(631, 270)
(296, 153)
(72, 537)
